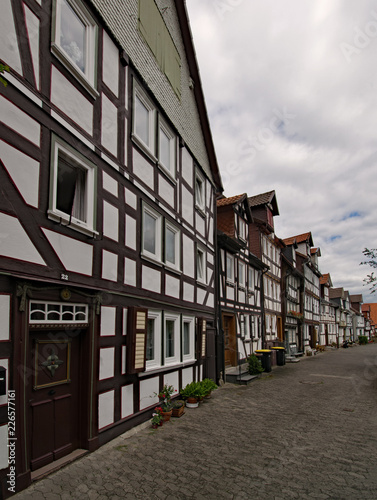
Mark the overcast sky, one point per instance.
(291, 93)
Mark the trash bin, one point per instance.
(280, 355)
(266, 358)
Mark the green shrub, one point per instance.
(208, 385)
(363, 339)
(255, 366)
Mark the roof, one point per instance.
(356, 298)
(222, 202)
(336, 293)
(314, 251)
(300, 238)
(325, 279)
(265, 199)
(373, 311)
(365, 307)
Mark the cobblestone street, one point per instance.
(307, 430)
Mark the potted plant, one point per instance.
(157, 418)
(165, 401)
(191, 393)
(208, 386)
(254, 365)
(178, 408)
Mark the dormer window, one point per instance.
(241, 229)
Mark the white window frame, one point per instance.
(172, 360)
(191, 321)
(201, 251)
(241, 274)
(177, 242)
(200, 191)
(88, 226)
(158, 243)
(241, 229)
(251, 278)
(89, 77)
(149, 146)
(156, 361)
(230, 260)
(169, 169)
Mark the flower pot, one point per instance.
(192, 403)
(166, 415)
(178, 412)
(154, 426)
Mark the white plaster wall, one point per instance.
(130, 232)
(109, 184)
(15, 243)
(106, 362)
(211, 300)
(143, 169)
(127, 395)
(4, 317)
(75, 255)
(131, 198)
(125, 314)
(110, 64)
(72, 102)
(151, 279)
(200, 224)
(105, 409)
(109, 130)
(187, 206)
(200, 295)
(108, 315)
(110, 221)
(147, 389)
(188, 292)
(129, 272)
(124, 360)
(187, 167)
(188, 257)
(8, 39)
(187, 376)
(23, 170)
(166, 191)
(230, 293)
(19, 121)
(172, 379)
(109, 266)
(3, 446)
(241, 296)
(172, 286)
(32, 26)
(210, 230)
(5, 363)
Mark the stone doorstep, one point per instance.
(239, 375)
(57, 464)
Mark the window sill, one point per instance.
(230, 283)
(165, 368)
(144, 148)
(167, 173)
(60, 55)
(64, 221)
(201, 284)
(152, 260)
(200, 211)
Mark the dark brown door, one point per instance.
(54, 395)
(230, 353)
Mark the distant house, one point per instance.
(341, 298)
(240, 283)
(108, 213)
(267, 247)
(358, 322)
(329, 328)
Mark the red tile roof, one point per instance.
(373, 311)
(298, 239)
(325, 279)
(222, 202)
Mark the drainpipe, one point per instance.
(263, 323)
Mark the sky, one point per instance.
(291, 95)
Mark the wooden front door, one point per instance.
(230, 341)
(54, 395)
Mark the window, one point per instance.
(74, 41)
(171, 339)
(201, 268)
(153, 341)
(172, 246)
(72, 188)
(199, 191)
(241, 229)
(151, 235)
(144, 121)
(251, 278)
(241, 274)
(166, 148)
(230, 267)
(188, 338)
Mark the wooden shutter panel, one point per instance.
(202, 338)
(136, 339)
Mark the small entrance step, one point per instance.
(239, 375)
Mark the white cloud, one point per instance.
(291, 92)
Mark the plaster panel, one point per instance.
(4, 317)
(19, 121)
(143, 169)
(110, 61)
(15, 243)
(110, 221)
(200, 224)
(230, 292)
(127, 395)
(23, 170)
(187, 376)
(32, 26)
(5, 363)
(109, 266)
(200, 295)
(172, 379)
(9, 51)
(147, 389)
(3, 446)
(188, 292)
(151, 279)
(130, 232)
(105, 409)
(172, 286)
(129, 272)
(108, 315)
(109, 129)
(166, 191)
(109, 184)
(131, 198)
(187, 167)
(75, 255)
(188, 206)
(69, 100)
(188, 257)
(124, 360)
(106, 362)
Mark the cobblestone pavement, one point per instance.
(306, 430)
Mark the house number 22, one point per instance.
(64, 277)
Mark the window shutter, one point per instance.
(202, 338)
(136, 339)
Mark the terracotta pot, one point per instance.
(192, 403)
(166, 415)
(154, 426)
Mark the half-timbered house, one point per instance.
(328, 331)
(240, 286)
(108, 220)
